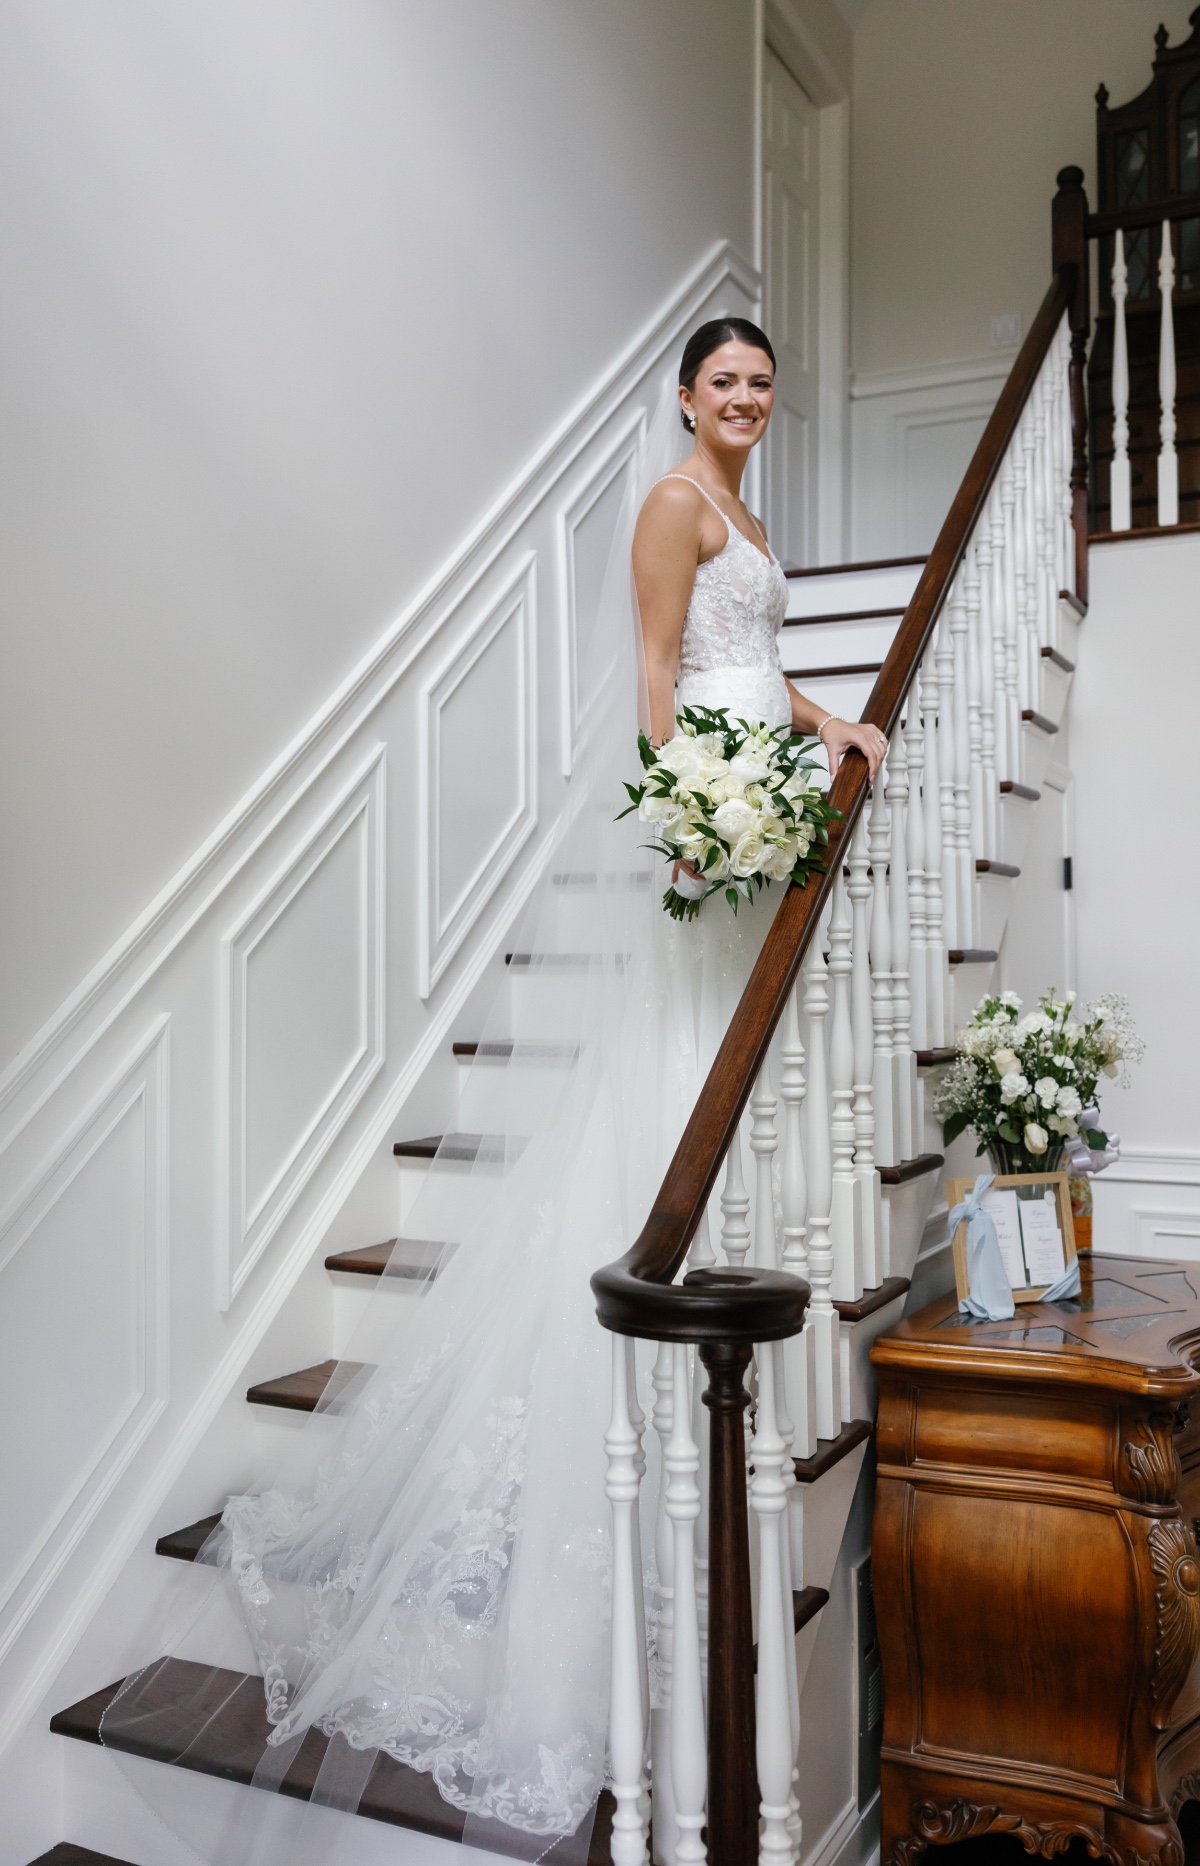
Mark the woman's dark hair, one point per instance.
(710, 337)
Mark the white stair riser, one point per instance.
(843, 592)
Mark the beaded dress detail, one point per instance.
(729, 653)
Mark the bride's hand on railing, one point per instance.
(838, 735)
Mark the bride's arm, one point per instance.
(666, 550)
(837, 735)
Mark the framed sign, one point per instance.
(1034, 1227)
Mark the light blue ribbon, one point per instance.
(989, 1294)
(1066, 1286)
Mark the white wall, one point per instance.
(962, 117)
(291, 289)
(1137, 897)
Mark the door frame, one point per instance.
(820, 64)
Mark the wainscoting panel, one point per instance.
(83, 1344)
(479, 768)
(304, 1025)
(912, 434)
(1148, 1203)
(585, 538)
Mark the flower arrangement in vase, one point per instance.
(1027, 1085)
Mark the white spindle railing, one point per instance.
(1120, 475)
(838, 1099)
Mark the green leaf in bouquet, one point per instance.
(1009, 1133)
(952, 1128)
(1095, 1138)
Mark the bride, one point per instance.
(428, 1579)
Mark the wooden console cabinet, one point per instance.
(1036, 1576)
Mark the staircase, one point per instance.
(818, 1097)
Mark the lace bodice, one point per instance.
(729, 651)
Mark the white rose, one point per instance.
(749, 764)
(1046, 1090)
(1111, 1069)
(802, 836)
(733, 818)
(1012, 1087)
(1005, 1062)
(1010, 1000)
(747, 856)
(1069, 1104)
(665, 811)
(682, 755)
(1036, 1138)
(780, 861)
(719, 870)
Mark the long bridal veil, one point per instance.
(424, 1579)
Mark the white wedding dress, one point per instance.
(430, 1579)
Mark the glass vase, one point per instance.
(1006, 1158)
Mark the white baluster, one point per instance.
(1066, 528)
(1168, 460)
(1044, 513)
(846, 1228)
(798, 1358)
(763, 1143)
(1007, 656)
(943, 657)
(964, 877)
(626, 1715)
(689, 1764)
(776, 1640)
(735, 1204)
(975, 809)
(936, 943)
(989, 776)
(918, 968)
(822, 1318)
(665, 1834)
(904, 1069)
(1031, 650)
(862, 1024)
(883, 1071)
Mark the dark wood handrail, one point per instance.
(630, 1294)
(1127, 219)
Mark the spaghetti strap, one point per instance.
(728, 523)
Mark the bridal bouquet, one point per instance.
(736, 800)
(1027, 1085)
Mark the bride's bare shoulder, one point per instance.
(673, 505)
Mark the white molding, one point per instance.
(919, 378)
(1154, 1167)
(157, 931)
(443, 929)
(247, 1233)
(612, 463)
(142, 1081)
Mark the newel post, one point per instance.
(732, 1757)
(1069, 224)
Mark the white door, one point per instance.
(790, 246)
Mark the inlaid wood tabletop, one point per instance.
(1135, 1325)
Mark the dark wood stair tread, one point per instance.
(831, 1451)
(844, 615)
(486, 1149)
(985, 866)
(807, 1603)
(413, 1260)
(302, 1391)
(843, 570)
(873, 1299)
(1059, 660)
(929, 1059)
(971, 955)
(1068, 596)
(66, 1853)
(829, 673)
(220, 1718)
(1010, 788)
(911, 1169)
(1033, 718)
(185, 1544)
